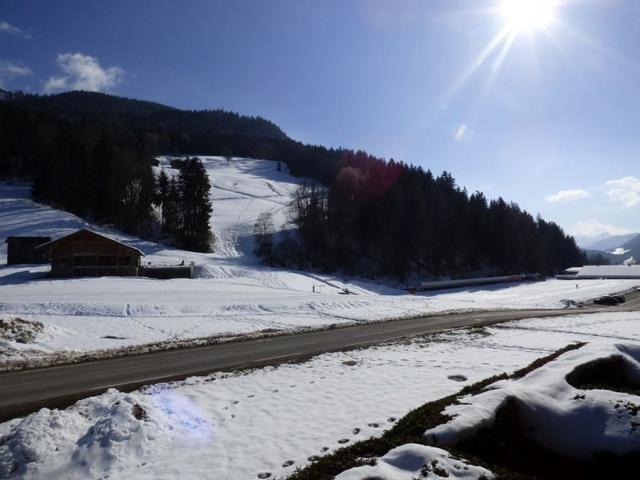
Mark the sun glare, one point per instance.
(527, 14)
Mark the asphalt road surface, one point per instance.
(26, 391)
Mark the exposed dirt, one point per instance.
(19, 330)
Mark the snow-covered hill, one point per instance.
(234, 294)
(241, 189)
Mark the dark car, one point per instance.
(609, 300)
(620, 298)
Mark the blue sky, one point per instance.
(549, 118)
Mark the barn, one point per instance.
(25, 250)
(88, 253)
(592, 272)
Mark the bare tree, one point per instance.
(263, 230)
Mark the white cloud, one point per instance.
(10, 71)
(460, 132)
(6, 27)
(567, 196)
(592, 228)
(83, 72)
(625, 190)
(55, 84)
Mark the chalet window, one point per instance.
(83, 260)
(108, 260)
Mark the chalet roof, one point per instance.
(91, 232)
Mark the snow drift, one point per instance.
(575, 422)
(411, 461)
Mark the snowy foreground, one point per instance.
(570, 421)
(264, 423)
(234, 295)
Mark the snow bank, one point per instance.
(98, 436)
(570, 421)
(410, 461)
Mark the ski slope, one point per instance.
(233, 295)
(241, 189)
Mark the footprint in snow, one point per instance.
(313, 458)
(264, 475)
(373, 425)
(325, 449)
(457, 378)
(288, 463)
(356, 431)
(343, 440)
(391, 419)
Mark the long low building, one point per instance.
(590, 272)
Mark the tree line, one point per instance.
(382, 218)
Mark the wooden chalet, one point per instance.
(88, 253)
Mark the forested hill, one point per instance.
(169, 130)
(150, 115)
(92, 153)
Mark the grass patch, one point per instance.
(411, 428)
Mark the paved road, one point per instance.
(26, 391)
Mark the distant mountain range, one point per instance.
(615, 248)
(611, 242)
(633, 246)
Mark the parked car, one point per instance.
(620, 298)
(609, 300)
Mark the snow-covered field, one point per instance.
(272, 420)
(234, 294)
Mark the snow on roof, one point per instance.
(570, 421)
(92, 232)
(572, 270)
(619, 271)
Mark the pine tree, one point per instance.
(194, 186)
(162, 189)
(171, 209)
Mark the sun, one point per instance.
(527, 14)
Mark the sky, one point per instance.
(539, 106)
